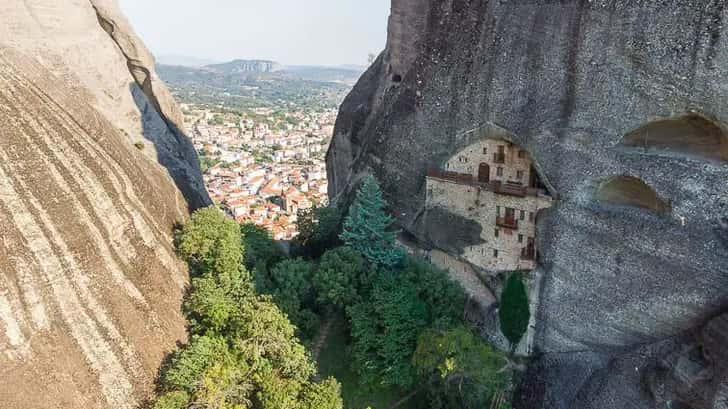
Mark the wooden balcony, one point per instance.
(507, 222)
(496, 186)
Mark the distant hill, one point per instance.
(345, 74)
(183, 60)
(246, 67)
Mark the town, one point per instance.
(263, 165)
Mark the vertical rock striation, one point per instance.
(624, 287)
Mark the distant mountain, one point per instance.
(345, 74)
(184, 61)
(245, 67)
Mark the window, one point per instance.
(530, 216)
(495, 253)
(485, 151)
(523, 215)
(496, 232)
(497, 210)
(519, 175)
(499, 171)
(520, 238)
(521, 154)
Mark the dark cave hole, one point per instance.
(632, 191)
(691, 135)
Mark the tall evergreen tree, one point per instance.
(367, 227)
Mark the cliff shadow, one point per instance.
(173, 149)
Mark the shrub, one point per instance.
(341, 278)
(172, 400)
(513, 312)
(139, 145)
(319, 229)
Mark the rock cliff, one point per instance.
(90, 287)
(621, 106)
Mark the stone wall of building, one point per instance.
(500, 248)
(515, 167)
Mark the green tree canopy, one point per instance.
(367, 227)
(464, 371)
(293, 292)
(384, 331)
(243, 352)
(342, 277)
(513, 312)
(319, 230)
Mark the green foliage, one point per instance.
(384, 331)
(342, 277)
(172, 400)
(324, 395)
(319, 230)
(292, 291)
(210, 244)
(386, 325)
(367, 227)
(261, 253)
(243, 353)
(513, 312)
(464, 371)
(189, 364)
(206, 163)
(444, 297)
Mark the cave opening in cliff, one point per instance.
(632, 192)
(691, 134)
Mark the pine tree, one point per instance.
(366, 228)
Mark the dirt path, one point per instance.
(321, 337)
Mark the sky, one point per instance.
(292, 32)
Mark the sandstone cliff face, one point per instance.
(90, 287)
(626, 290)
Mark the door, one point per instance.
(484, 173)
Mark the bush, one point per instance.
(210, 243)
(260, 253)
(292, 291)
(444, 297)
(513, 313)
(319, 229)
(172, 400)
(341, 278)
(139, 145)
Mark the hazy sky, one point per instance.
(314, 32)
